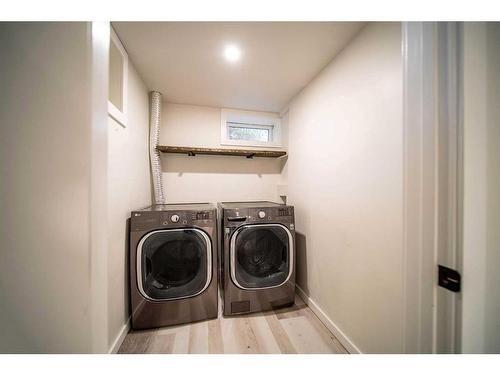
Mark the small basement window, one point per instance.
(247, 128)
(118, 76)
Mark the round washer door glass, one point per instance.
(174, 263)
(261, 256)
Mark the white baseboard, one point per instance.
(119, 338)
(332, 327)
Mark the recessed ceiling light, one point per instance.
(232, 53)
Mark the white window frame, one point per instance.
(113, 111)
(263, 120)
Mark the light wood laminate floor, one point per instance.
(290, 330)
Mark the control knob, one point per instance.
(174, 218)
(262, 214)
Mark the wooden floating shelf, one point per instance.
(192, 151)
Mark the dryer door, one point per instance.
(261, 256)
(173, 264)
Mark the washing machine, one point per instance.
(257, 256)
(173, 264)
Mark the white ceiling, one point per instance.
(184, 60)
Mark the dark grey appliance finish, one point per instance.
(173, 264)
(256, 256)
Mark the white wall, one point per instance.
(51, 138)
(345, 180)
(206, 178)
(129, 188)
(481, 235)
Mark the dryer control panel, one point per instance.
(187, 217)
(285, 211)
(145, 220)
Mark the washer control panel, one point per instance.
(237, 217)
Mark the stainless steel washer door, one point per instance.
(261, 256)
(174, 264)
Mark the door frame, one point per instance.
(432, 207)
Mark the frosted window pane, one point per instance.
(248, 134)
(115, 77)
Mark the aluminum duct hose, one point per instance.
(154, 154)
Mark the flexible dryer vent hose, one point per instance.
(154, 154)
